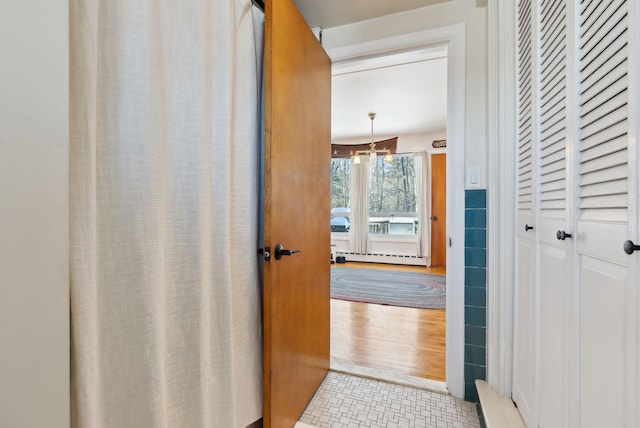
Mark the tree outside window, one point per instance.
(392, 197)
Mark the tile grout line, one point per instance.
(349, 401)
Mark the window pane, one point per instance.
(340, 195)
(392, 199)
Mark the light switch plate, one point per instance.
(473, 177)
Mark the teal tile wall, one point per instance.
(475, 291)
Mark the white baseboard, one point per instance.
(396, 259)
(499, 412)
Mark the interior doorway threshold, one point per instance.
(387, 375)
(499, 412)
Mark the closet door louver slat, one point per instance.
(553, 120)
(525, 113)
(603, 110)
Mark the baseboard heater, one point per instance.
(401, 259)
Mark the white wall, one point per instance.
(34, 231)
(460, 11)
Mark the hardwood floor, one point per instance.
(407, 340)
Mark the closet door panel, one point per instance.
(525, 351)
(602, 343)
(524, 379)
(607, 301)
(554, 273)
(553, 369)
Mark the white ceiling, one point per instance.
(408, 97)
(407, 92)
(332, 13)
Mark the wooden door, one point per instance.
(439, 209)
(297, 158)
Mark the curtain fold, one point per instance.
(359, 231)
(165, 299)
(423, 204)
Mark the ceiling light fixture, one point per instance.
(372, 152)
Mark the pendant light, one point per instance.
(372, 152)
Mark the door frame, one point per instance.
(501, 203)
(454, 38)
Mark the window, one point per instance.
(392, 198)
(340, 195)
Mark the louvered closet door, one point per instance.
(608, 299)
(524, 371)
(553, 208)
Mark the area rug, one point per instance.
(386, 287)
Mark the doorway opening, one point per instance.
(400, 344)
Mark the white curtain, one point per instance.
(359, 231)
(166, 322)
(423, 204)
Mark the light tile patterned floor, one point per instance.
(344, 401)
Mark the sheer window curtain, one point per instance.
(165, 299)
(360, 176)
(423, 204)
